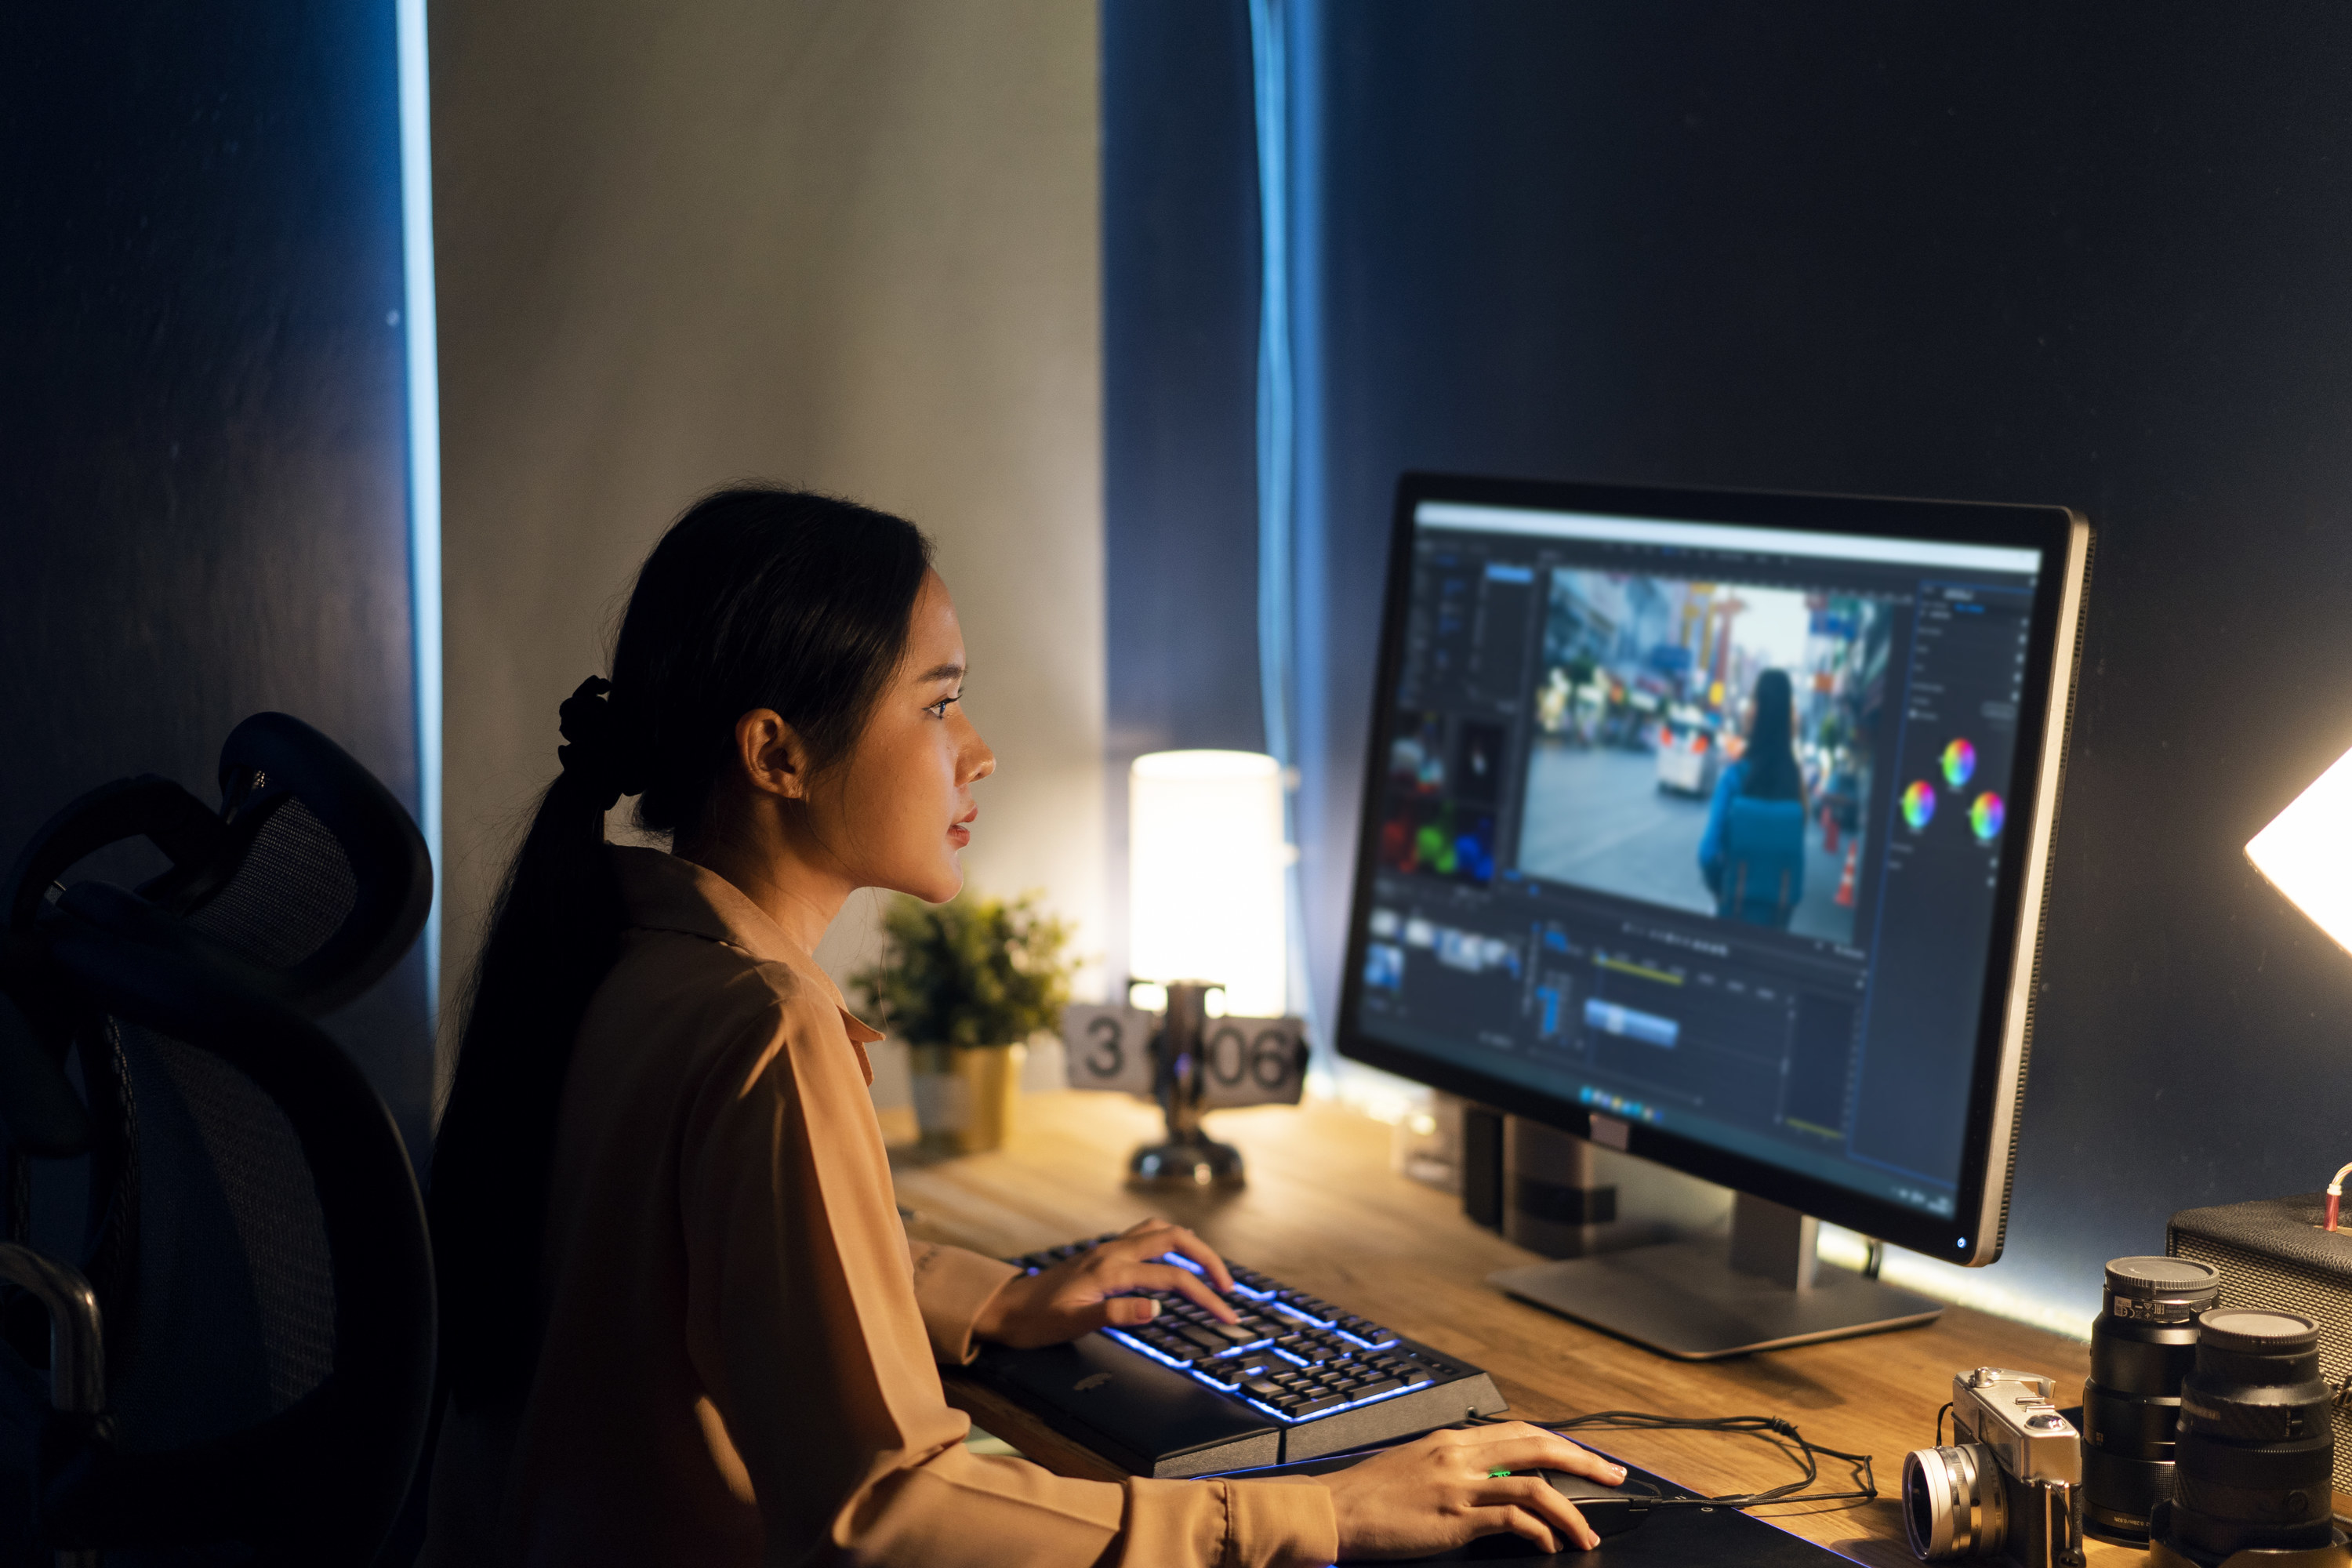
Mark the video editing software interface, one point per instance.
(1699, 825)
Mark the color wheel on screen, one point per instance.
(1985, 813)
(1960, 763)
(1919, 804)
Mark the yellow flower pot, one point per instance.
(964, 1100)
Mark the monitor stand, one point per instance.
(1703, 1300)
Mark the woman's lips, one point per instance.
(959, 834)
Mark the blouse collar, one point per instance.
(666, 893)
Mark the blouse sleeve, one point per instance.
(806, 1330)
(952, 1287)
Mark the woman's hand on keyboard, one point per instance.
(1441, 1491)
(1097, 1288)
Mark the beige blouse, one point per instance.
(739, 1361)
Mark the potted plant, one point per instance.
(964, 984)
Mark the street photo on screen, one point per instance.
(1706, 746)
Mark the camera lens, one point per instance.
(1954, 1502)
(2143, 1344)
(2254, 1451)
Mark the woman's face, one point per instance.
(901, 804)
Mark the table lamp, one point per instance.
(1205, 859)
(1207, 929)
(2306, 852)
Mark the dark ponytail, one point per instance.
(758, 597)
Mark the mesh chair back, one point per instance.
(227, 1316)
(270, 1345)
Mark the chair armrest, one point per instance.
(76, 1349)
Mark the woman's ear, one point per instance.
(773, 759)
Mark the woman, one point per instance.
(1753, 850)
(681, 1320)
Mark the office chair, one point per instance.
(242, 1366)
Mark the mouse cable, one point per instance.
(1770, 1429)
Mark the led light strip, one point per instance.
(424, 456)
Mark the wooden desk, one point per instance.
(1323, 1211)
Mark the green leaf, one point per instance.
(970, 972)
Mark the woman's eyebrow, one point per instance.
(940, 672)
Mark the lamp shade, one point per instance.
(2306, 851)
(1205, 857)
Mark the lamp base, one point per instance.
(1194, 1162)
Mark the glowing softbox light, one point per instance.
(1205, 859)
(2306, 852)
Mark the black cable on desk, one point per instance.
(1771, 1429)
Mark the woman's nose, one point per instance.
(979, 762)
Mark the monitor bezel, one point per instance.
(1975, 1233)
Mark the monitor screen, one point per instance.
(1707, 815)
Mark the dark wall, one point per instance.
(203, 427)
(2092, 258)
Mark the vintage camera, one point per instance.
(2008, 1487)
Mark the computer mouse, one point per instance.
(1609, 1510)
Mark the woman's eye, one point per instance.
(940, 710)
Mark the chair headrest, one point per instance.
(306, 886)
(321, 880)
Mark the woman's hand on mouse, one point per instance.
(1440, 1492)
(1092, 1289)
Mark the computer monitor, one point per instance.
(1716, 826)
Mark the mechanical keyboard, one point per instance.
(1185, 1394)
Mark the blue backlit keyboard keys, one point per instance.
(1292, 1359)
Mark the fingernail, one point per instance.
(1617, 1470)
(1151, 1309)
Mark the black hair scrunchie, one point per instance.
(600, 758)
